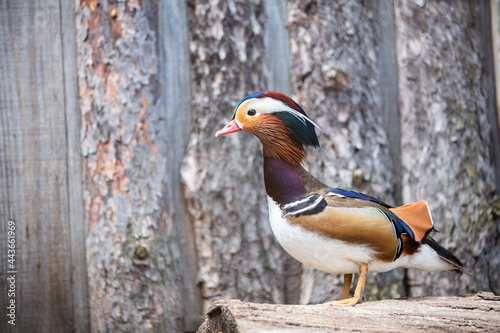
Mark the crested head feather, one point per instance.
(254, 95)
(288, 111)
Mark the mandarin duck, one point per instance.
(334, 230)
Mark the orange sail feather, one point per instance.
(417, 216)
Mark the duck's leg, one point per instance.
(347, 286)
(363, 269)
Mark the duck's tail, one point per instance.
(447, 256)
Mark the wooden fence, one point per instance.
(126, 214)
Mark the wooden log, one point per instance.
(467, 313)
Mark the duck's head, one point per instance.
(281, 125)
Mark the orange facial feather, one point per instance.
(276, 139)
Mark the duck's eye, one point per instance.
(251, 112)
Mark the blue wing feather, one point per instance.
(356, 195)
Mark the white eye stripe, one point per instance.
(271, 105)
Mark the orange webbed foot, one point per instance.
(344, 301)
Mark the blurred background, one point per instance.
(131, 216)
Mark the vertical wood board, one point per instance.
(40, 169)
(177, 103)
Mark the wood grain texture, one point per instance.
(388, 68)
(335, 77)
(177, 102)
(40, 169)
(132, 250)
(277, 50)
(277, 46)
(494, 10)
(447, 159)
(469, 313)
(222, 177)
(488, 11)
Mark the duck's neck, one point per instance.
(278, 142)
(286, 182)
(283, 181)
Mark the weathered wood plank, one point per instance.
(277, 48)
(388, 78)
(470, 313)
(76, 223)
(389, 93)
(491, 40)
(177, 104)
(40, 169)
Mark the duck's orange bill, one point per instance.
(229, 128)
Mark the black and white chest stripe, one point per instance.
(309, 205)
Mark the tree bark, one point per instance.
(447, 156)
(336, 79)
(223, 181)
(133, 257)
